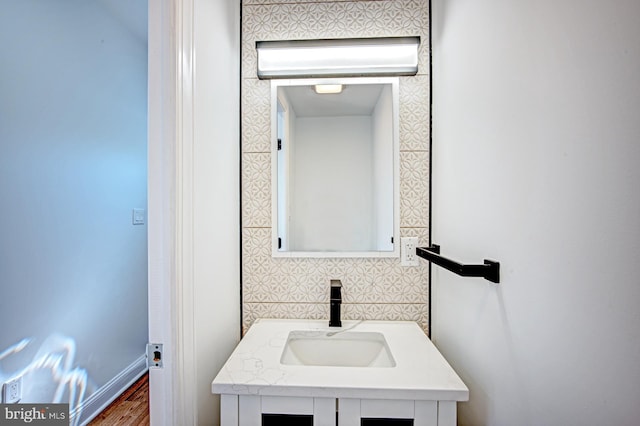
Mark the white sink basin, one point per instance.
(337, 349)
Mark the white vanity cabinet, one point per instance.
(247, 410)
(416, 386)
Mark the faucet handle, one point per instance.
(336, 293)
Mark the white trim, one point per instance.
(100, 399)
(185, 362)
(229, 410)
(162, 240)
(447, 413)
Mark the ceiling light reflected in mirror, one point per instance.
(328, 89)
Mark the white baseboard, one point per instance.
(100, 399)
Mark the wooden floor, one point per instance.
(130, 409)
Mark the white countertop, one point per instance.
(421, 372)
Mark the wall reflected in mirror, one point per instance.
(335, 167)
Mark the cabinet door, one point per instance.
(256, 410)
(355, 412)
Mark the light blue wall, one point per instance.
(73, 111)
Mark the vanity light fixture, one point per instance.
(338, 57)
(328, 89)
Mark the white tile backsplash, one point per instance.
(299, 287)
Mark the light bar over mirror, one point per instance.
(338, 57)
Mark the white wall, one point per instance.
(382, 170)
(215, 205)
(536, 164)
(72, 167)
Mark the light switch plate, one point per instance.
(138, 216)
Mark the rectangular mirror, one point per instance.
(335, 167)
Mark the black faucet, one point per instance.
(335, 302)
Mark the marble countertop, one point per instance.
(421, 372)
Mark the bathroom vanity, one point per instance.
(304, 372)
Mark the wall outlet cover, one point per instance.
(408, 255)
(12, 391)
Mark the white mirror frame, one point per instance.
(395, 83)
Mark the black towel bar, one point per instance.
(489, 271)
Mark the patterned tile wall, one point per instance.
(299, 288)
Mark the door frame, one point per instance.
(170, 139)
(193, 170)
